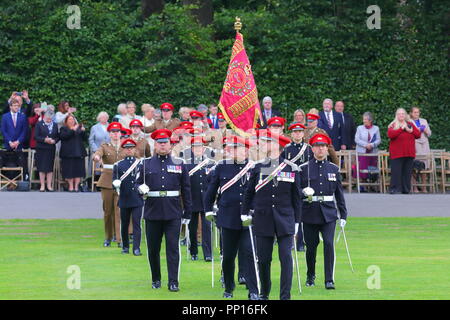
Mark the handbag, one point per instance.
(418, 165)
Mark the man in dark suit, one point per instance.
(14, 127)
(349, 129)
(268, 112)
(213, 110)
(331, 122)
(323, 205)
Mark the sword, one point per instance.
(188, 240)
(255, 259)
(212, 254)
(297, 267)
(346, 248)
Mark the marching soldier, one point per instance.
(164, 180)
(130, 202)
(229, 178)
(142, 146)
(313, 129)
(321, 185)
(298, 152)
(108, 154)
(199, 167)
(274, 188)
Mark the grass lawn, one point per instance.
(413, 255)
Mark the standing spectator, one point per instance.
(147, 120)
(349, 127)
(367, 140)
(121, 112)
(99, 134)
(184, 114)
(299, 117)
(213, 110)
(20, 97)
(46, 135)
(64, 109)
(33, 119)
(72, 152)
(14, 130)
(331, 122)
(268, 112)
(402, 149)
(422, 144)
(131, 115)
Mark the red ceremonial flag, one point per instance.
(239, 99)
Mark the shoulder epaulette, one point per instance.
(178, 159)
(334, 164)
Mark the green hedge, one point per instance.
(301, 52)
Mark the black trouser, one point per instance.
(234, 241)
(125, 215)
(300, 242)
(155, 229)
(206, 234)
(241, 256)
(311, 234)
(401, 171)
(265, 248)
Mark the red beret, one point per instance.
(136, 122)
(195, 132)
(296, 126)
(220, 116)
(195, 114)
(128, 143)
(198, 141)
(269, 136)
(312, 116)
(126, 132)
(161, 135)
(114, 126)
(320, 138)
(166, 106)
(235, 141)
(185, 124)
(276, 120)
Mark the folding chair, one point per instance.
(371, 172)
(430, 173)
(385, 170)
(10, 172)
(445, 171)
(345, 168)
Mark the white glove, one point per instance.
(116, 183)
(210, 216)
(185, 221)
(143, 189)
(343, 222)
(246, 220)
(296, 228)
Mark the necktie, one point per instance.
(14, 119)
(329, 120)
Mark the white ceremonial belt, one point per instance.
(320, 198)
(155, 194)
(108, 166)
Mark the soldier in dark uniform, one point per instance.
(321, 185)
(298, 152)
(199, 166)
(164, 180)
(130, 202)
(229, 178)
(274, 188)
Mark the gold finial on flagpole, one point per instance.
(238, 24)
